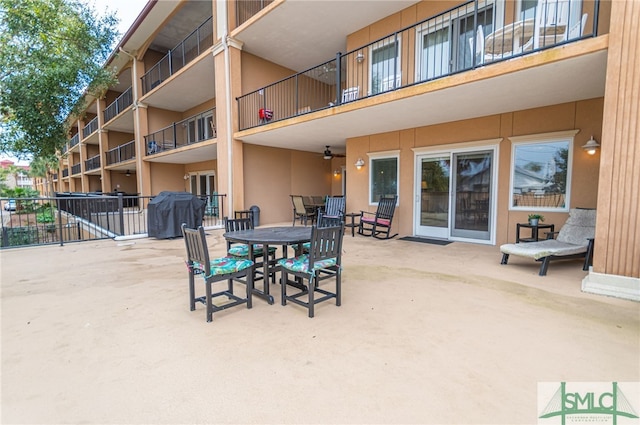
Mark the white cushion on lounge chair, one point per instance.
(543, 248)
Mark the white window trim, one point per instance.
(384, 155)
(530, 139)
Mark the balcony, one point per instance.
(120, 104)
(186, 51)
(194, 129)
(248, 8)
(74, 141)
(121, 153)
(76, 169)
(485, 33)
(65, 172)
(92, 163)
(90, 128)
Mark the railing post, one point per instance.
(121, 213)
(61, 236)
(474, 35)
(175, 136)
(338, 79)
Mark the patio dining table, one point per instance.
(284, 236)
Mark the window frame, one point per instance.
(537, 140)
(395, 154)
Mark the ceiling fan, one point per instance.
(328, 154)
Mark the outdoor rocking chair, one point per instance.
(322, 262)
(574, 240)
(214, 270)
(378, 224)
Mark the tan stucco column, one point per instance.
(227, 59)
(616, 269)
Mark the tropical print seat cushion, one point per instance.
(224, 265)
(242, 250)
(305, 246)
(301, 263)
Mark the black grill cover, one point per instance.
(168, 210)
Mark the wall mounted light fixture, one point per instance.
(359, 163)
(336, 173)
(360, 57)
(127, 173)
(591, 146)
(186, 176)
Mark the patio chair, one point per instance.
(240, 250)
(300, 210)
(212, 271)
(322, 262)
(334, 207)
(378, 224)
(575, 240)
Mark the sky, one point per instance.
(126, 11)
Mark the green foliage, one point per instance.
(45, 214)
(51, 51)
(534, 216)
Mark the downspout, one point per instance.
(227, 84)
(136, 112)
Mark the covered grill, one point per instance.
(168, 210)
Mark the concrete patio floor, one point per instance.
(101, 332)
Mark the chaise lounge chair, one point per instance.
(575, 240)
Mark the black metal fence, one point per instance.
(90, 128)
(194, 129)
(77, 217)
(121, 153)
(118, 105)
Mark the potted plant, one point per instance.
(535, 218)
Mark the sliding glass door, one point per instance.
(455, 195)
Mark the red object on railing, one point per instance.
(265, 114)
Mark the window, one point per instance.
(540, 173)
(383, 177)
(385, 65)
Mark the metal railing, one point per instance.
(65, 172)
(248, 8)
(194, 129)
(121, 153)
(78, 217)
(186, 51)
(76, 169)
(74, 140)
(485, 32)
(120, 104)
(92, 163)
(90, 127)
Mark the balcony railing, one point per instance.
(74, 140)
(90, 127)
(76, 169)
(121, 153)
(120, 104)
(248, 8)
(484, 33)
(92, 163)
(188, 49)
(54, 176)
(65, 172)
(188, 131)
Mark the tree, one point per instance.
(41, 167)
(52, 52)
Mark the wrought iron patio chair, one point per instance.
(322, 262)
(378, 224)
(300, 211)
(214, 270)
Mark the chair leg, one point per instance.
(544, 266)
(283, 287)
(338, 288)
(192, 292)
(505, 259)
(249, 278)
(209, 302)
(311, 290)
